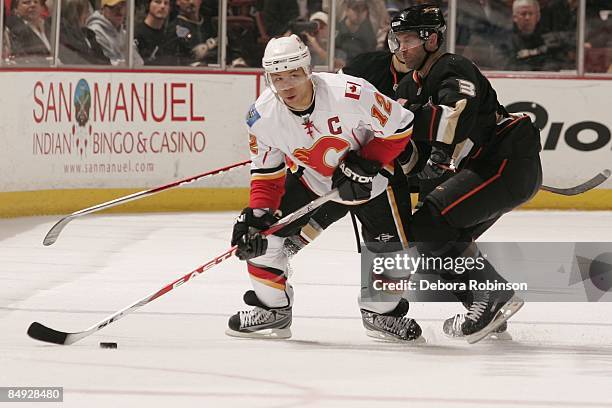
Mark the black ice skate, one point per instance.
(392, 326)
(488, 311)
(261, 322)
(452, 328)
(452, 325)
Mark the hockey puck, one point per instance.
(108, 345)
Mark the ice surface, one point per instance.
(173, 352)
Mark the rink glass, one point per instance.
(580, 35)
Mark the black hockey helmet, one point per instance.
(424, 19)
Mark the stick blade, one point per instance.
(54, 232)
(600, 178)
(594, 182)
(581, 188)
(41, 332)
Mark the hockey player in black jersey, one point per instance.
(494, 155)
(383, 69)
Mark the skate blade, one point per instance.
(503, 336)
(392, 339)
(268, 334)
(493, 337)
(507, 311)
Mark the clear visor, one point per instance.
(404, 41)
(408, 41)
(287, 80)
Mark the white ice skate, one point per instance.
(261, 322)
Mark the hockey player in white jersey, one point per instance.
(332, 131)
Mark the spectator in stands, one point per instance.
(558, 26)
(108, 25)
(6, 45)
(149, 34)
(499, 18)
(354, 33)
(190, 39)
(243, 48)
(208, 8)
(47, 8)
(378, 15)
(7, 8)
(273, 17)
(317, 41)
(78, 44)
(309, 7)
(27, 33)
(471, 20)
(481, 33)
(529, 51)
(598, 36)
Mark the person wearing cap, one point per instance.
(108, 25)
(317, 41)
(337, 132)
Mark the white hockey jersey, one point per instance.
(349, 114)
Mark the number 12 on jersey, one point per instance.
(385, 104)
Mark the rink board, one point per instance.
(25, 203)
(83, 130)
(75, 138)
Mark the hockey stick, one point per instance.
(570, 191)
(43, 333)
(580, 188)
(54, 232)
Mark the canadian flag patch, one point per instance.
(352, 90)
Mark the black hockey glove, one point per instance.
(246, 233)
(413, 107)
(440, 161)
(353, 177)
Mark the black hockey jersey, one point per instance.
(454, 104)
(376, 68)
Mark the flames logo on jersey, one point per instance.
(314, 157)
(290, 164)
(253, 144)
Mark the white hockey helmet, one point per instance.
(286, 54)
